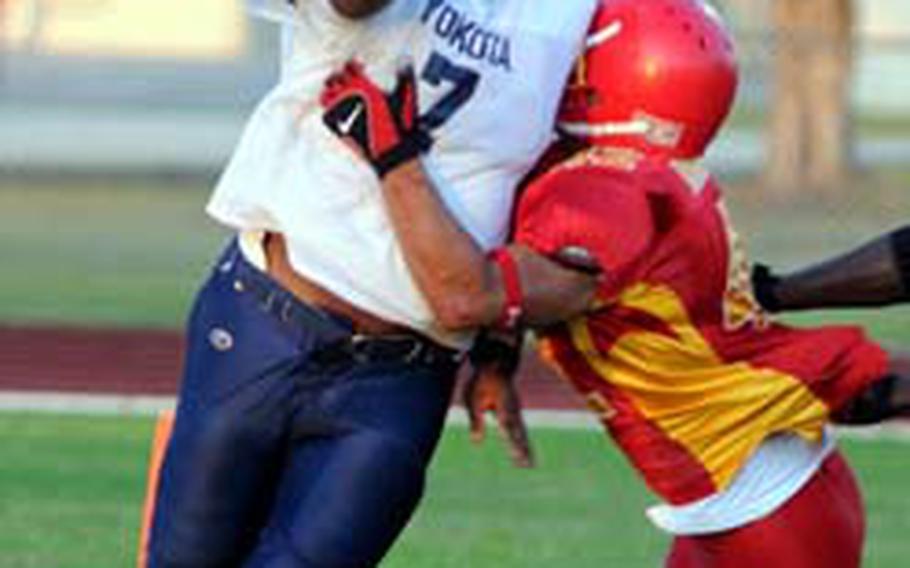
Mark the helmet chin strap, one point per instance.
(585, 130)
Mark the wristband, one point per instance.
(900, 243)
(764, 284)
(511, 281)
(415, 144)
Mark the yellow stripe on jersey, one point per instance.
(719, 412)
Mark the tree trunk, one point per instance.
(785, 139)
(809, 138)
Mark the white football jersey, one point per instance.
(491, 75)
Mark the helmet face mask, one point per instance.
(658, 76)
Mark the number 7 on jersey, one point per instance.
(463, 81)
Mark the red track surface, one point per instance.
(142, 362)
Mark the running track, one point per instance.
(78, 361)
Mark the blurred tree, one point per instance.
(4, 41)
(810, 140)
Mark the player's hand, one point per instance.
(491, 388)
(384, 127)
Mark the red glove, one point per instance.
(383, 126)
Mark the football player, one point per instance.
(724, 413)
(319, 364)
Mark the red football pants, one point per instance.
(822, 526)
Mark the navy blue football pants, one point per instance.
(276, 459)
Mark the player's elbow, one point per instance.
(460, 311)
(358, 9)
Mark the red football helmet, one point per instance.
(657, 75)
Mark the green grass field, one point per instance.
(102, 254)
(71, 489)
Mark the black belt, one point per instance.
(405, 349)
(339, 343)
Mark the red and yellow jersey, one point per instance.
(684, 368)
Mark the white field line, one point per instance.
(92, 404)
(122, 405)
(130, 405)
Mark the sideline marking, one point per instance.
(132, 405)
(91, 404)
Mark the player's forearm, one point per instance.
(464, 288)
(874, 274)
(447, 264)
(552, 292)
(865, 276)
